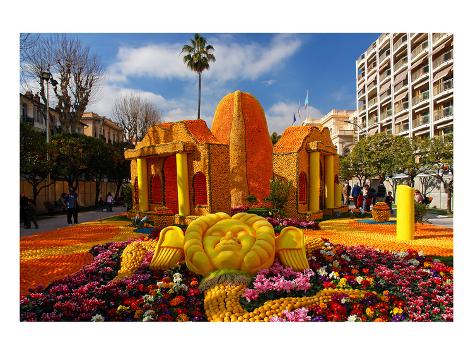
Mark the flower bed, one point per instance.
(92, 294)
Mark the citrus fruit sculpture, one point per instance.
(227, 250)
(381, 212)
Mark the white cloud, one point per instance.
(234, 60)
(280, 115)
(269, 82)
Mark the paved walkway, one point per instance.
(440, 220)
(48, 223)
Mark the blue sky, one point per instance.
(276, 68)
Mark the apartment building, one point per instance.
(102, 127)
(33, 112)
(342, 131)
(405, 85)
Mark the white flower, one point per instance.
(177, 277)
(336, 264)
(346, 257)
(98, 318)
(333, 275)
(321, 271)
(414, 262)
(148, 298)
(359, 279)
(352, 318)
(421, 253)
(159, 284)
(344, 300)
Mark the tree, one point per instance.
(279, 194)
(70, 156)
(99, 163)
(380, 154)
(440, 159)
(198, 56)
(275, 137)
(135, 115)
(409, 156)
(119, 171)
(355, 163)
(77, 72)
(34, 165)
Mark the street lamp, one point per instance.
(357, 131)
(46, 76)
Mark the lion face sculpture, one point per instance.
(243, 242)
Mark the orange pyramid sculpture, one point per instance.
(240, 122)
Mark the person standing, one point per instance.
(345, 194)
(109, 202)
(72, 206)
(355, 192)
(365, 193)
(30, 215)
(23, 206)
(418, 197)
(389, 200)
(348, 193)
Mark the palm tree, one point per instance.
(197, 58)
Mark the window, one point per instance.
(302, 188)
(200, 189)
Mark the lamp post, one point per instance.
(46, 76)
(358, 129)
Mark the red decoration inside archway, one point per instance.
(200, 189)
(156, 190)
(302, 188)
(170, 184)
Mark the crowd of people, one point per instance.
(364, 198)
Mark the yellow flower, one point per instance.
(342, 282)
(369, 312)
(396, 310)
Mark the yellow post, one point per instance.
(338, 194)
(314, 181)
(182, 184)
(329, 181)
(142, 170)
(405, 213)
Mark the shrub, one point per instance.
(251, 199)
(420, 211)
(279, 194)
(126, 190)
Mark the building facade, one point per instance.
(102, 127)
(342, 132)
(404, 85)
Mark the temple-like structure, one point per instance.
(183, 170)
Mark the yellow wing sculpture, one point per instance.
(170, 249)
(290, 248)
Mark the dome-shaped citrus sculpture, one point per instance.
(240, 121)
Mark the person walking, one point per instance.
(72, 206)
(389, 200)
(23, 206)
(355, 192)
(30, 215)
(109, 202)
(345, 194)
(365, 194)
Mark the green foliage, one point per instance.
(34, 165)
(127, 195)
(275, 137)
(252, 199)
(420, 212)
(263, 212)
(279, 194)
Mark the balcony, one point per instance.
(421, 120)
(384, 55)
(385, 74)
(446, 57)
(422, 72)
(398, 108)
(372, 121)
(383, 37)
(443, 86)
(361, 108)
(421, 48)
(371, 67)
(438, 37)
(420, 98)
(361, 92)
(443, 113)
(360, 76)
(371, 85)
(400, 63)
(384, 95)
(385, 114)
(360, 58)
(400, 85)
(371, 49)
(401, 127)
(401, 41)
(372, 102)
